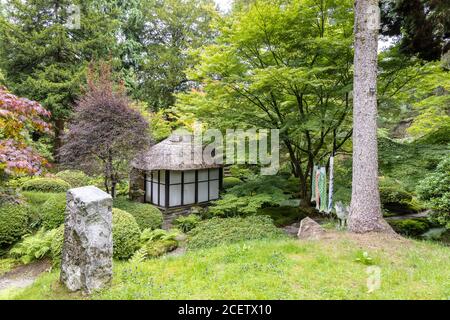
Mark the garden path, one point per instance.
(23, 275)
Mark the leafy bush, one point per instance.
(126, 234)
(241, 172)
(157, 234)
(157, 248)
(435, 191)
(410, 162)
(229, 182)
(217, 231)
(155, 243)
(53, 211)
(37, 198)
(46, 185)
(250, 196)
(283, 216)
(394, 197)
(34, 247)
(76, 178)
(13, 223)
(187, 223)
(57, 244)
(410, 227)
(122, 188)
(17, 182)
(146, 215)
(35, 201)
(232, 205)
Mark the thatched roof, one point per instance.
(175, 153)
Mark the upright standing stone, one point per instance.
(88, 247)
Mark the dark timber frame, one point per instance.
(166, 184)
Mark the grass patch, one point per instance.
(6, 265)
(276, 269)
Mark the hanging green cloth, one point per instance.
(313, 184)
(316, 188)
(323, 189)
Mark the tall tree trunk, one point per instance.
(112, 176)
(365, 209)
(59, 131)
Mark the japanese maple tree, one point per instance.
(19, 117)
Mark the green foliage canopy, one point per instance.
(284, 65)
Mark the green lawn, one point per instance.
(276, 269)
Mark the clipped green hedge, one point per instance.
(53, 211)
(37, 198)
(229, 182)
(13, 223)
(46, 185)
(126, 234)
(217, 231)
(410, 227)
(76, 178)
(147, 216)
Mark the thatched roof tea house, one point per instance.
(166, 175)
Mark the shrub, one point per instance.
(410, 227)
(35, 201)
(147, 216)
(394, 197)
(13, 223)
(126, 234)
(46, 185)
(53, 211)
(435, 191)
(283, 216)
(122, 188)
(157, 248)
(57, 244)
(240, 172)
(229, 182)
(34, 247)
(392, 191)
(232, 205)
(37, 198)
(155, 243)
(76, 178)
(248, 197)
(187, 223)
(17, 182)
(217, 231)
(158, 234)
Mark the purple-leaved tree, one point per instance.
(105, 133)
